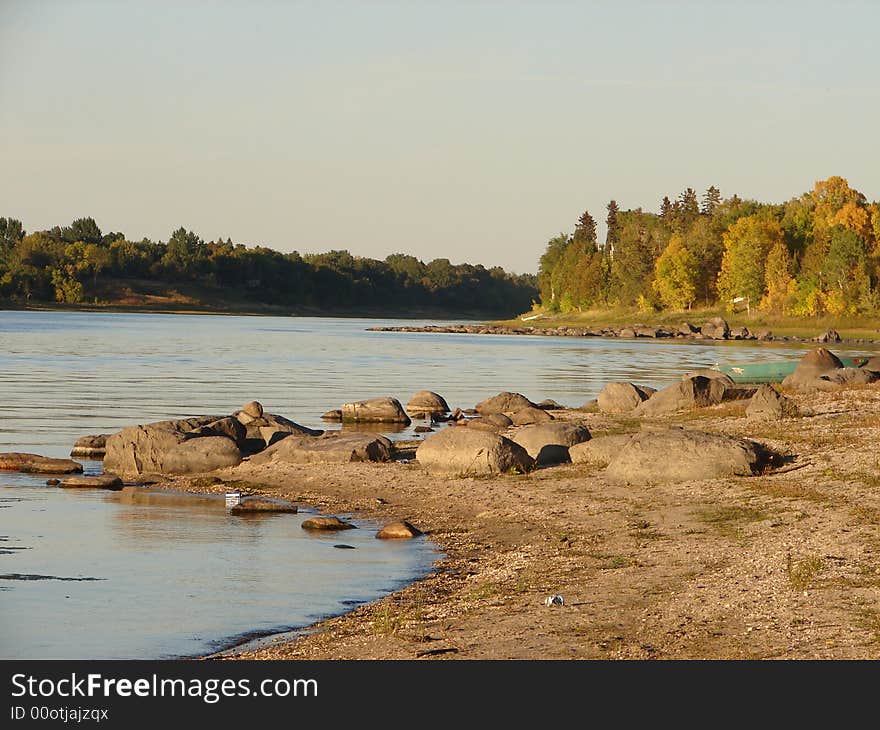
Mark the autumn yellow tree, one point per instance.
(779, 283)
(746, 246)
(675, 275)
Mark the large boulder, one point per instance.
(815, 363)
(807, 376)
(465, 451)
(716, 329)
(769, 405)
(331, 448)
(621, 397)
(547, 443)
(138, 450)
(375, 410)
(427, 401)
(696, 392)
(90, 447)
(36, 464)
(504, 403)
(676, 455)
(598, 450)
(198, 455)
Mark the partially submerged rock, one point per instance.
(622, 397)
(677, 455)
(427, 401)
(90, 447)
(465, 451)
(548, 443)
(505, 402)
(251, 505)
(36, 464)
(160, 449)
(695, 392)
(326, 523)
(334, 415)
(402, 530)
(331, 448)
(375, 410)
(102, 481)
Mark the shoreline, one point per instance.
(785, 565)
(687, 332)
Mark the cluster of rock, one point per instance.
(821, 369)
(716, 328)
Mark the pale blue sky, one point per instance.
(472, 131)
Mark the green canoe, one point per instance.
(773, 372)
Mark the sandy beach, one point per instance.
(782, 565)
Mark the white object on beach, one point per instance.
(554, 600)
(233, 499)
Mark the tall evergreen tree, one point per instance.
(612, 236)
(667, 210)
(711, 200)
(585, 232)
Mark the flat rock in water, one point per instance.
(104, 481)
(251, 505)
(466, 451)
(326, 523)
(36, 464)
(331, 448)
(334, 415)
(677, 455)
(402, 530)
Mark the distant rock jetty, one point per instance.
(716, 328)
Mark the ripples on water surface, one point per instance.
(179, 581)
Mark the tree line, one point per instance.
(80, 264)
(817, 253)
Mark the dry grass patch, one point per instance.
(801, 573)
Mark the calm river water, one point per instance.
(83, 576)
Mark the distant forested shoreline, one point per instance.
(817, 254)
(79, 266)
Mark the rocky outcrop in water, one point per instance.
(36, 464)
